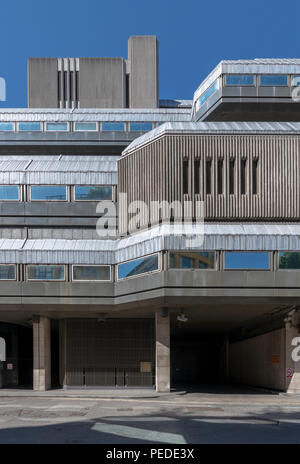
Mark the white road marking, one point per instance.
(139, 434)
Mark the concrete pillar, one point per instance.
(162, 331)
(292, 368)
(41, 353)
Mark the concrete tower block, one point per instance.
(102, 83)
(41, 353)
(42, 83)
(162, 331)
(143, 66)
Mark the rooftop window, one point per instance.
(48, 193)
(6, 126)
(192, 260)
(45, 272)
(239, 79)
(7, 272)
(9, 193)
(93, 192)
(208, 93)
(273, 80)
(57, 126)
(113, 126)
(247, 260)
(29, 126)
(92, 273)
(289, 260)
(140, 126)
(85, 126)
(138, 266)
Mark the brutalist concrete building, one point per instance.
(146, 242)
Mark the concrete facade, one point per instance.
(97, 82)
(42, 83)
(145, 306)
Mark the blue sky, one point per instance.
(193, 35)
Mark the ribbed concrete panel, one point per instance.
(159, 168)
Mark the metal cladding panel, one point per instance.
(219, 127)
(94, 115)
(110, 353)
(98, 170)
(164, 237)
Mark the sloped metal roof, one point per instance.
(59, 170)
(233, 237)
(219, 127)
(94, 115)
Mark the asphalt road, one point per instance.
(183, 419)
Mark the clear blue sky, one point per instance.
(193, 35)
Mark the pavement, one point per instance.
(210, 415)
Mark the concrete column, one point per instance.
(162, 330)
(292, 368)
(41, 353)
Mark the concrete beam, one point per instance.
(162, 331)
(41, 353)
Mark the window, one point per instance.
(273, 79)
(85, 126)
(243, 176)
(140, 126)
(45, 272)
(192, 260)
(29, 126)
(239, 79)
(247, 260)
(220, 176)
(231, 176)
(185, 176)
(197, 176)
(9, 192)
(289, 260)
(48, 193)
(208, 93)
(113, 126)
(7, 272)
(93, 192)
(138, 267)
(91, 273)
(57, 126)
(6, 126)
(254, 176)
(208, 177)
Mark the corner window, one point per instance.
(93, 192)
(113, 126)
(29, 126)
(208, 93)
(45, 272)
(273, 80)
(239, 79)
(247, 260)
(138, 266)
(140, 126)
(9, 193)
(7, 272)
(6, 126)
(85, 126)
(289, 260)
(57, 126)
(193, 260)
(92, 273)
(48, 193)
